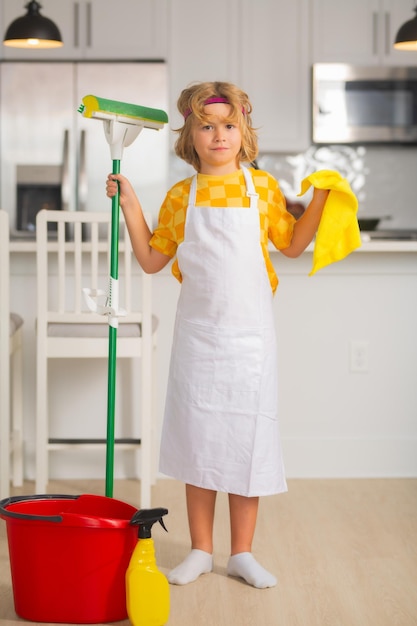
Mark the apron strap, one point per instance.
(193, 191)
(250, 188)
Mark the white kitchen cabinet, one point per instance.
(360, 31)
(275, 71)
(203, 46)
(260, 46)
(97, 29)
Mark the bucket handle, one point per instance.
(27, 516)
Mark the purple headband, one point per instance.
(214, 100)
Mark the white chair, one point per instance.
(11, 426)
(73, 253)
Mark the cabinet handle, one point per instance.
(89, 24)
(76, 24)
(375, 32)
(387, 33)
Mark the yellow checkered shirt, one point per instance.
(276, 222)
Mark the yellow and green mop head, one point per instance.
(103, 109)
(122, 121)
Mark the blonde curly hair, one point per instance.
(191, 105)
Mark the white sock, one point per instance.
(244, 565)
(196, 563)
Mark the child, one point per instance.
(220, 429)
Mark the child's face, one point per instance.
(217, 141)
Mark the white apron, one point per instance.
(220, 427)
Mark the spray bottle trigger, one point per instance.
(146, 518)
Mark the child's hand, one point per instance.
(111, 186)
(127, 195)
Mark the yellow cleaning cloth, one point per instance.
(338, 232)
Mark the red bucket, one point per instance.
(68, 557)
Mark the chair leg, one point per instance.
(155, 423)
(5, 425)
(17, 414)
(146, 421)
(145, 450)
(41, 421)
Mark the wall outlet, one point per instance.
(359, 355)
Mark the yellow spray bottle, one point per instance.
(147, 589)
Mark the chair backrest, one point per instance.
(73, 253)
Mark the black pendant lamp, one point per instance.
(406, 38)
(33, 30)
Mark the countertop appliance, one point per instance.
(354, 104)
(390, 235)
(42, 132)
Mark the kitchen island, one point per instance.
(347, 342)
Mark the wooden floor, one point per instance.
(344, 552)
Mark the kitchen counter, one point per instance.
(373, 245)
(377, 245)
(340, 413)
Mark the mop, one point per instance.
(122, 123)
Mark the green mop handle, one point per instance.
(122, 123)
(111, 383)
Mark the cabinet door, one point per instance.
(360, 31)
(346, 32)
(124, 29)
(275, 71)
(203, 45)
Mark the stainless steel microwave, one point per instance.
(354, 104)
